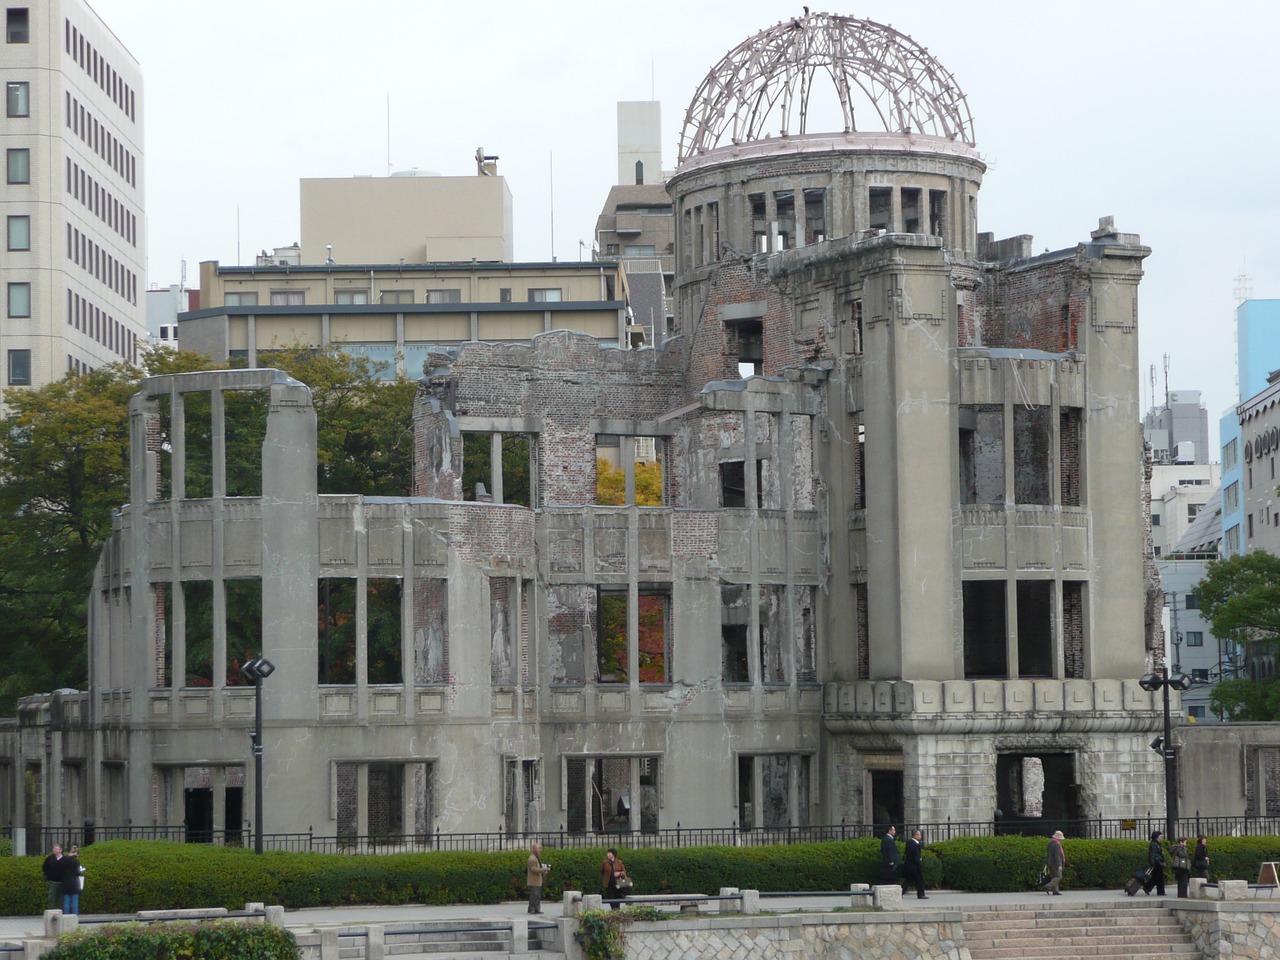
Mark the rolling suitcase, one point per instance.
(1136, 882)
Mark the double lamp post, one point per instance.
(1164, 745)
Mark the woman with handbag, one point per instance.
(613, 876)
(1200, 859)
(1181, 861)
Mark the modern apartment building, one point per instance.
(73, 273)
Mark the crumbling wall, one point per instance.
(713, 352)
(1073, 628)
(430, 629)
(1032, 459)
(1032, 305)
(1070, 432)
(569, 623)
(437, 449)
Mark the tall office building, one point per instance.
(73, 270)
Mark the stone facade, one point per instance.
(859, 544)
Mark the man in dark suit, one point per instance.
(914, 868)
(889, 854)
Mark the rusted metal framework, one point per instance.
(771, 77)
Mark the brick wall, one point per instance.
(1030, 306)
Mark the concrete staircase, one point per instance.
(1097, 931)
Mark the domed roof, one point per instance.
(884, 82)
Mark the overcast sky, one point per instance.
(1164, 120)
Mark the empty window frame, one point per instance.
(197, 596)
(504, 629)
(1035, 628)
(498, 467)
(912, 214)
(521, 795)
(880, 208)
(733, 483)
(18, 165)
(630, 470)
(653, 640)
(815, 215)
(785, 205)
(773, 790)
(982, 454)
(430, 630)
(336, 636)
(383, 660)
(747, 341)
(243, 620)
(855, 327)
(759, 222)
(735, 622)
(938, 212)
(599, 794)
(985, 652)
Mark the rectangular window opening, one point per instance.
(630, 470)
(985, 652)
(912, 219)
(1035, 629)
(382, 630)
(336, 633)
(17, 25)
(880, 208)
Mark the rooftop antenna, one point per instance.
(1166, 381)
(1153, 385)
(1242, 290)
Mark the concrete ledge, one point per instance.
(189, 913)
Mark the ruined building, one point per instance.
(861, 542)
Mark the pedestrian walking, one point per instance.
(613, 876)
(1155, 865)
(535, 872)
(1055, 860)
(913, 870)
(889, 855)
(1181, 862)
(52, 870)
(1200, 859)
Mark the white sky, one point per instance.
(1165, 120)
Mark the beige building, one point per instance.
(857, 545)
(636, 226)
(73, 273)
(409, 217)
(397, 314)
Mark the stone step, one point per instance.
(1123, 932)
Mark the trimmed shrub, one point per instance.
(127, 876)
(209, 941)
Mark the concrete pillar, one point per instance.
(750, 902)
(592, 901)
(571, 903)
(886, 897)
(329, 944)
(377, 942)
(1195, 888)
(519, 935)
(1233, 889)
(725, 905)
(275, 916)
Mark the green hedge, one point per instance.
(126, 876)
(208, 941)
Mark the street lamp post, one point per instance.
(255, 671)
(1164, 745)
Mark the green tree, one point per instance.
(64, 467)
(1240, 597)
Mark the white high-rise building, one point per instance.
(73, 272)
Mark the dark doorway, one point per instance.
(1021, 811)
(886, 799)
(199, 814)
(235, 816)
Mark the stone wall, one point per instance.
(869, 936)
(1241, 931)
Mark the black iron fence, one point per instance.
(1134, 828)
